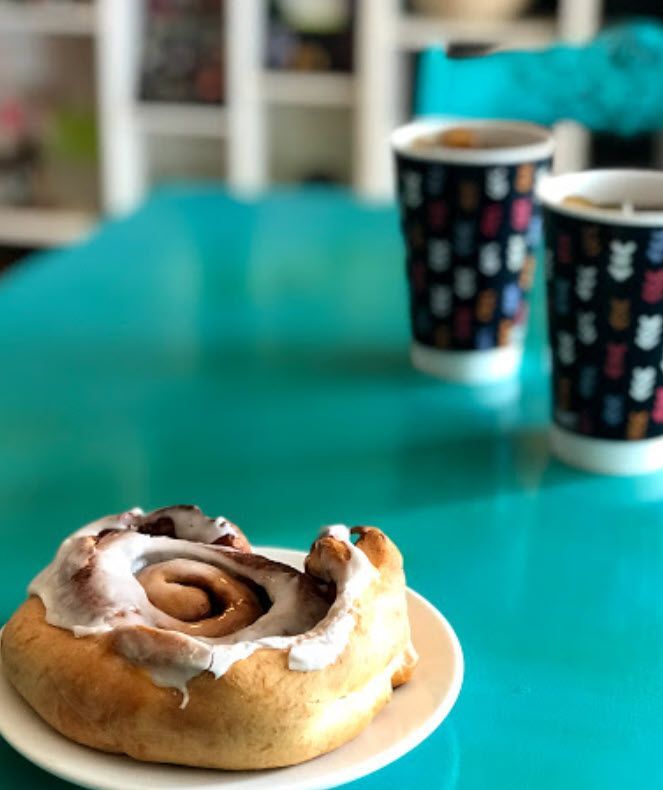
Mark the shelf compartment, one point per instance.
(59, 18)
(182, 120)
(308, 88)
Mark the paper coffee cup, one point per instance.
(472, 229)
(605, 309)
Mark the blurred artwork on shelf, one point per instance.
(68, 150)
(19, 155)
(48, 153)
(311, 36)
(183, 52)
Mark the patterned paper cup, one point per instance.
(472, 229)
(605, 307)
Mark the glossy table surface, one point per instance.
(252, 358)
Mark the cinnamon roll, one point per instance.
(164, 637)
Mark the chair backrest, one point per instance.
(611, 84)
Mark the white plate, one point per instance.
(415, 711)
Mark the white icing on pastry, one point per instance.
(91, 588)
(189, 523)
(323, 649)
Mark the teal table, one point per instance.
(252, 358)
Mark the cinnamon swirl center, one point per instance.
(201, 599)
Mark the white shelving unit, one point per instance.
(33, 226)
(373, 94)
(378, 94)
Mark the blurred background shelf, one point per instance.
(182, 120)
(262, 75)
(48, 17)
(310, 89)
(42, 227)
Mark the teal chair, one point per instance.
(612, 84)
